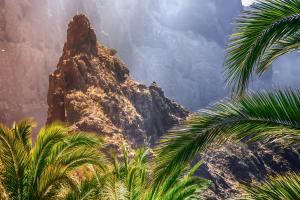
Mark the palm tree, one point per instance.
(45, 169)
(131, 180)
(267, 30)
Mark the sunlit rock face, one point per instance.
(91, 89)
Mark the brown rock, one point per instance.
(91, 89)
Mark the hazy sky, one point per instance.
(247, 2)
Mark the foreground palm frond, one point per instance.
(282, 187)
(279, 48)
(265, 31)
(88, 190)
(129, 178)
(44, 170)
(262, 116)
(179, 184)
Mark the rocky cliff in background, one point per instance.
(231, 165)
(91, 89)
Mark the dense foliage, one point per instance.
(43, 170)
(130, 179)
(68, 165)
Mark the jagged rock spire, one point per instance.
(80, 36)
(91, 89)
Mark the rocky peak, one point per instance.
(91, 89)
(80, 36)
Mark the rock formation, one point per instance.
(234, 164)
(91, 89)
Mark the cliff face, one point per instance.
(91, 89)
(231, 165)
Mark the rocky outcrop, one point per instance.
(231, 165)
(92, 90)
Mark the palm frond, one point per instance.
(52, 180)
(263, 116)
(186, 188)
(88, 190)
(114, 189)
(46, 170)
(80, 157)
(282, 187)
(47, 139)
(178, 184)
(14, 160)
(258, 28)
(3, 193)
(115, 164)
(22, 131)
(283, 46)
(76, 150)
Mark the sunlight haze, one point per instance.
(247, 2)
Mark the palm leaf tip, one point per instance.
(282, 187)
(267, 30)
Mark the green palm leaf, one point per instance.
(129, 178)
(114, 189)
(52, 180)
(23, 132)
(3, 193)
(14, 159)
(179, 184)
(48, 137)
(282, 187)
(88, 190)
(259, 31)
(262, 116)
(279, 48)
(45, 170)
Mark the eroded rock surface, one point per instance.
(231, 165)
(92, 90)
